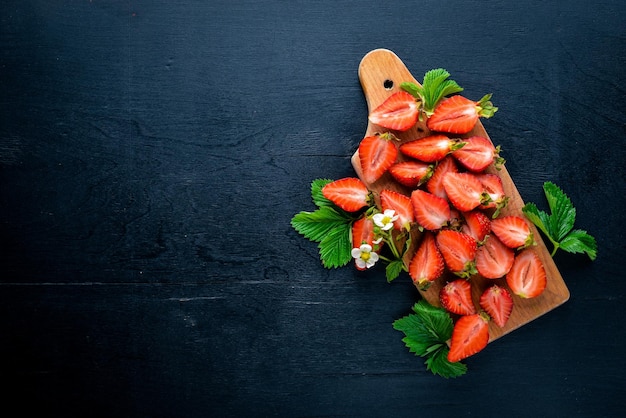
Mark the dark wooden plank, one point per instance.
(152, 155)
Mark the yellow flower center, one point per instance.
(365, 256)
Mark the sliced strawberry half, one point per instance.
(527, 277)
(476, 224)
(458, 115)
(431, 148)
(431, 212)
(435, 183)
(493, 192)
(427, 264)
(456, 297)
(478, 153)
(513, 231)
(464, 190)
(469, 336)
(376, 154)
(399, 112)
(402, 205)
(458, 251)
(349, 193)
(411, 173)
(493, 258)
(363, 232)
(498, 303)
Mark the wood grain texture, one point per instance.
(377, 69)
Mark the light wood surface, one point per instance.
(381, 72)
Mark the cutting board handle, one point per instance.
(381, 73)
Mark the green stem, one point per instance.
(555, 245)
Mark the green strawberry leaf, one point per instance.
(563, 213)
(438, 364)
(316, 192)
(335, 247)
(579, 241)
(393, 270)
(558, 225)
(315, 226)
(417, 337)
(537, 217)
(435, 87)
(427, 331)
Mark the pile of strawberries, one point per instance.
(455, 203)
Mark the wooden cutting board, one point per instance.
(381, 72)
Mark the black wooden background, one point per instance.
(152, 154)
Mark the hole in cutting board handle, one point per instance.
(388, 84)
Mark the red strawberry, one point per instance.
(431, 212)
(493, 258)
(458, 115)
(427, 265)
(401, 204)
(349, 193)
(377, 153)
(464, 190)
(456, 297)
(527, 277)
(498, 303)
(363, 232)
(513, 231)
(411, 173)
(399, 112)
(469, 336)
(477, 154)
(430, 148)
(458, 251)
(435, 183)
(493, 192)
(476, 224)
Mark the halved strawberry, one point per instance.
(493, 258)
(427, 264)
(431, 148)
(458, 251)
(349, 193)
(478, 153)
(464, 190)
(476, 224)
(376, 154)
(498, 303)
(431, 212)
(513, 231)
(456, 297)
(527, 277)
(458, 115)
(469, 336)
(493, 192)
(363, 232)
(399, 112)
(401, 204)
(435, 184)
(411, 173)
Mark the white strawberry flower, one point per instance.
(385, 220)
(364, 257)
